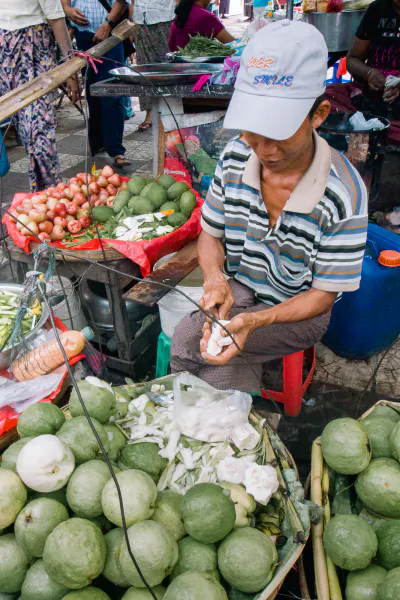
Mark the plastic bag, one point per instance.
(204, 413)
(359, 122)
(21, 394)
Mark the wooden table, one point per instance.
(114, 283)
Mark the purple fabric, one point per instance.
(200, 21)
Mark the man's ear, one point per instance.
(321, 114)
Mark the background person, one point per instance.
(92, 24)
(285, 216)
(192, 17)
(29, 30)
(154, 18)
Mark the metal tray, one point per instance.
(173, 57)
(164, 73)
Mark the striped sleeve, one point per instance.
(213, 211)
(339, 259)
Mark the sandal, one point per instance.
(120, 162)
(145, 126)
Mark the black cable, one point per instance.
(98, 439)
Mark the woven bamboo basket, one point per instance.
(326, 578)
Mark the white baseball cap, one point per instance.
(282, 72)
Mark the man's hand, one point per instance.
(102, 33)
(76, 16)
(376, 80)
(218, 298)
(391, 94)
(74, 92)
(241, 327)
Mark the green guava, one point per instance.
(384, 410)
(389, 545)
(39, 586)
(13, 564)
(141, 594)
(139, 495)
(13, 497)
(345, 446)
(144, 457)
(350, 542)
(155, 550)
(99, 401)
(88, 593)
(168, 512)
(78, 435)
(122, 398)
(195, 586)
(196, 556)
(166, 181)
(362, 585)
(246, 558)
(374, 520)
(36, 521)
(208, 512)
(75, 553)
(10, 456)
(236, 595)
(245, 505)
(136, 184)
(39, 419)
(85, 487)
(378, 487)
(112, 571)
(116, 440)
(379, 430)
(395, 442)
(389, 589)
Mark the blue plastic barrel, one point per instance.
(367, 321)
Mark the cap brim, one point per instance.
(269, 116)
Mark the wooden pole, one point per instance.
(25, 94)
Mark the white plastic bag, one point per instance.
(206, 414)
(359, 122)
(21, 394)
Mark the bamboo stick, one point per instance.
(333, 581)
(304, 591)
(25, 94)
(320, 567)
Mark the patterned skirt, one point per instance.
(25, 54)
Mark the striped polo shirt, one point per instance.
(318, 240)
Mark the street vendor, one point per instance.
(373, 56)
(285, 219)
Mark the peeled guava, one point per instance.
(196, 556)
(39, 586)
(75, 553)
(208, 512)
(88, 593)
(99, 401)
(389, 545)
(246, 558)
(112, 571)
(345, 446)
(389, 589)
(122, 398)
(36, 521)
(45, 463)
(195, 586)
(13, 564)
(379, 430)
(10, 456)
(378, 487)
(350, 542)
(85, 487)
(13, 497)
(116, 440)
(139, 495)
(168, 512)
(144, 457)
(245, 505)
(140, 594)
(39, 419)
(78, 435)
(362, 585)
(155, 550)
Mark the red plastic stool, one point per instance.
(293, 386)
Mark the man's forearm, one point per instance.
(117, 11)
(61, 34)
(300, 308)
(211, 254)
(357, 68)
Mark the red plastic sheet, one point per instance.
(144, 253)
(8, 416)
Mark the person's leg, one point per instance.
(266, 344)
